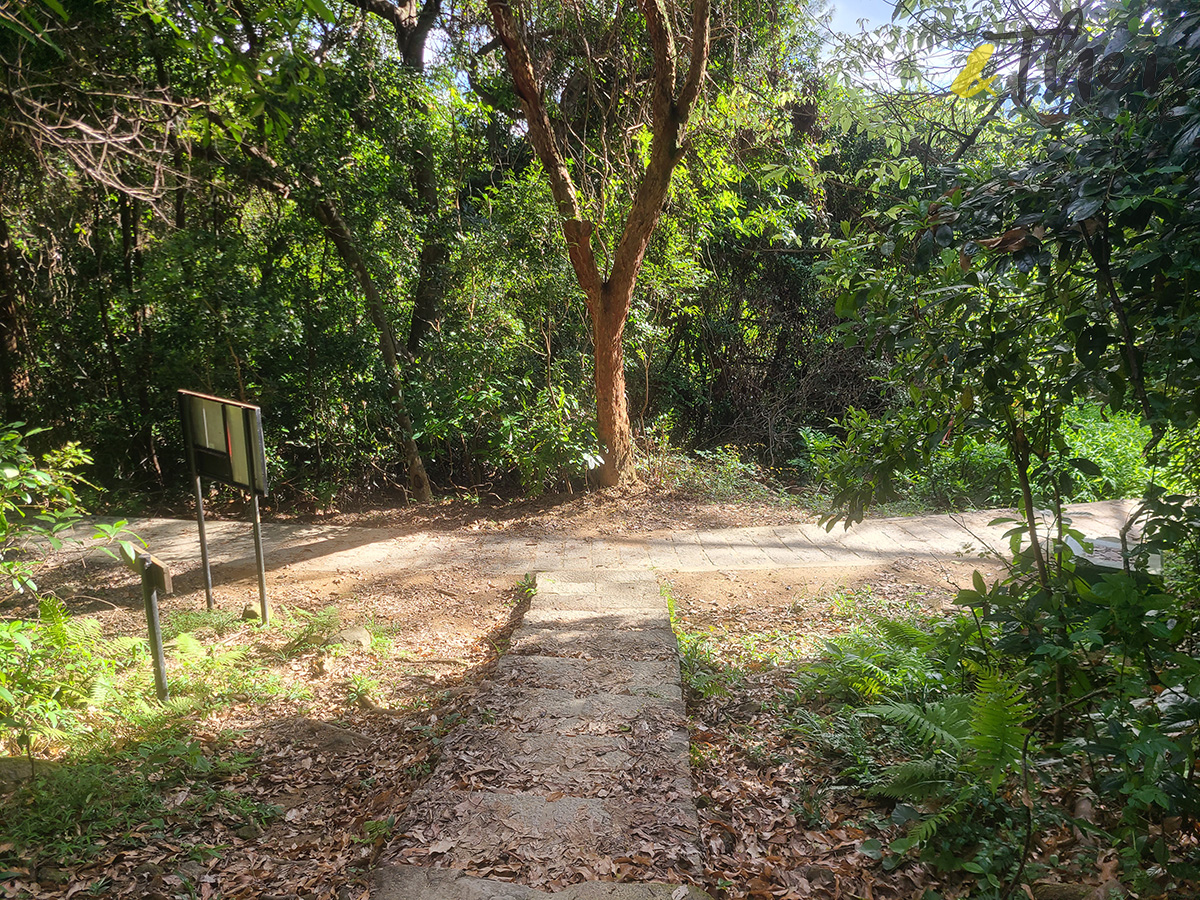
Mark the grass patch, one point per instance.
(310, 630)
(71, 813)
(203, 622)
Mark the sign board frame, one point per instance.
(224, 440)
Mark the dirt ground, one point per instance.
(637, 507)
(815, 603)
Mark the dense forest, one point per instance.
(358, 236)
(456, 249)
(364, 220)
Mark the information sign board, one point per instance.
(225, 440)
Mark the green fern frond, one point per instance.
(998, 710)
(946, 723)
(904, 634)
(883, 659)
(925, 830)
(187, 648)
(83, 634)
(918, 779)
(233, 657)
(52, 611)
(101, 690)
(181, 706)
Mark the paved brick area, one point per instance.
(296, 549)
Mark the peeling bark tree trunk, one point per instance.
(612, 415)
(343, 241)
(608, 299)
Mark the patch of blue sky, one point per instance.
(847, 13)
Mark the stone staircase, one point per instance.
(572, 766)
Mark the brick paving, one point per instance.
(299, 549)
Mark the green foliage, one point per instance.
(1020, 296)
(703, 671)
(51, 672)
(219, 622)
(549, 441)
(1113, 440)
(885, 658)
(38, 500)
(998, 714)
(63, 812)
(966, 473)
(945, 723)
(361, 689)
(850, 738)
(720, 475)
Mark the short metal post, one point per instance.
(150, 599)
(258, 555)
(208, 594)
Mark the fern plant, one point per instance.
(885, 658)
(967, 736)
(51, 671)
(998, 711)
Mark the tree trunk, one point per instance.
(608, 299)
(343, 241)
(427, 294)
(612, 409)
(412, 20)
(9, 305)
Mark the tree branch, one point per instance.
(670, 117)
(411, 22)
(662, 41)
(577, 231)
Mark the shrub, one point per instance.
(1113, 440)
(1099, 458)
(37, 500)
(971, 473)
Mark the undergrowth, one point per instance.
(972, 732)
(100, 802)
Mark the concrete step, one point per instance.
(554, 833)
(615, 576)
(594, 584)
(621, 676)
(573, 764)
(506, 706)
(421, 883)
(584, 765)
(604, 601)
(588, 643)
(543, 614)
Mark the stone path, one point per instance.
(295, 551)
(573, 762)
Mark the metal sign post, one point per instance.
(225, 443)
(199, 491)
(156, 578)
(258, 547)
